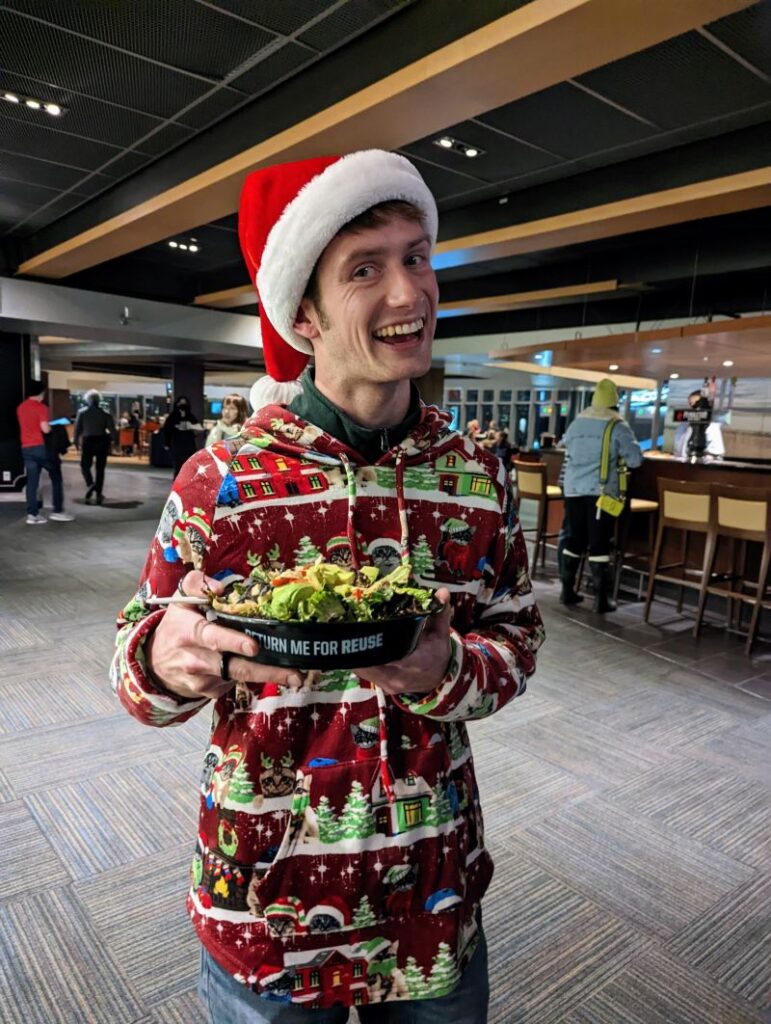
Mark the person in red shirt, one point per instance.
(33, 415)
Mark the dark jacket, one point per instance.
(94, 422)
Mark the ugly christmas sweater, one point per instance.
(340, 855)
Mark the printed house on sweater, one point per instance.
(327, 871)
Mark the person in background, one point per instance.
(34, 423)
(179, 433)
(501, 447)
(487, 438)
(585, 527)
(715, 446)
(234, 414)
(473, 430)
(94, 430)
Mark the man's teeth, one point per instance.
(410, 328)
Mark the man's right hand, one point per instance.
(184, 653)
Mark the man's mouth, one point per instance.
(406, 333)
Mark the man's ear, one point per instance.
(306, 321)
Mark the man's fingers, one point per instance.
(197, 584)
(220, 638)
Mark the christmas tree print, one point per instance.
(241, 787)
(338, 679)
(357, 820)
(364, 915)
(422, 478)
(444, 974)
(385, 477)
(422, 558)
(306, 553)
(417, 986)
(439, 810)
(457, 748)
(329, 826)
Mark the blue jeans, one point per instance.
(36, 459)
(229, 1002)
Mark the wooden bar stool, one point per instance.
(624, 557)
(531, 483)
(743, 515)
(683, 506)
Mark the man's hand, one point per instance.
(184, 653)
(426, 667)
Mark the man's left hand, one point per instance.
(426, 667)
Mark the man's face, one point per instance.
(693, 400)
(378, 296)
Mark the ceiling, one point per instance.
(607, 191)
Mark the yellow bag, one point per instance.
(607, 502)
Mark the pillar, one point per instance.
(16, 356)
(187, 380)
(431, 386)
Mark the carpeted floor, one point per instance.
(626, 799)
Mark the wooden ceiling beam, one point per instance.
(540, 44)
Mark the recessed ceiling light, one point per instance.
(472, 152)
(11, 97)
(503, 200)
(193, 248)
(656, 351)
(182, 245)
(172, 245)
(706, 359)
(445, 142)
(728, 362)
(34, 104)
(674, 376)
(53, 109)
(613, 366)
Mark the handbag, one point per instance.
(608, 503)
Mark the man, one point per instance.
(714, 434)
(94, 429)
(33, 416)
(340, 859)
(585, 528)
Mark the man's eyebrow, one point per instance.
(366, 254)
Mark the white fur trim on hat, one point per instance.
(348, 187)
(267, 391)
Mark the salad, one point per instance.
(321, 592)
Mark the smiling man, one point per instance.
(340, 858)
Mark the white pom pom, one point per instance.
(267, 391)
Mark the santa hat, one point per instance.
(289, 214)
(334, 907)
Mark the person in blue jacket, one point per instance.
(585, 528)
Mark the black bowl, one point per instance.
(329, 645)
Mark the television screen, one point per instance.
(216, 408)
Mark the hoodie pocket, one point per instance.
(360, 848)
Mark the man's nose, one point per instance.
(401, 287)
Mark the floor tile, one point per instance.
(29, 862)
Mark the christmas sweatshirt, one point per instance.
(340, 855)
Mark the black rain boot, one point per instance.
(100, 499)
(89, 494)
(603, 584)
(568, 571)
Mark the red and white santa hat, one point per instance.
(334, 907)
(289, 214)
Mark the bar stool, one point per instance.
(740, 514)
(624, 557)
(532, 484)
(683, 506)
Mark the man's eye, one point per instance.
(366, 271)
(416, 260)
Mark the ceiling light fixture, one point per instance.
(182, 245)
(33, 103)
(674, 376)
(706, 359)
(656, 351)
(189, 246)
(462, 148)
(173, 245)
(192, 248)
(728, 362)
(613, 366)
(11, 97)
(53, 109)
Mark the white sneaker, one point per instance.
(35, 520)
(61, 517)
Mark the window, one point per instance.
(480, 485)
(503, 417)
(413, 813)
(358, 997)
(315, 979)
(488, 396)
(336, 978)
(254, 462)
(410, 779)
(453, 395)
(291, 487)
(249, 490)
(469, 413)
(504, 396)
(297, 982)
(316, 483)
(280, 463)
(472, 396)
(266, 485)
(523, 396)
(487, 415)
(358, 970)
(451, 460)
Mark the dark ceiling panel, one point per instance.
(284, 17)
(184, 35)
(748, 33)
(35, 140)
(33, 49)
(284, 61)
(216, 248)
(212, 108)
(127, 163)
(567, 122)
(161, 141)
(679, 82)
(441, 181)
(502, 156)
(348, 20)
(47, 215)
(49, 175)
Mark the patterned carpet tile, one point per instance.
(656, 989)
(731, 943)
(154, 942)
(723, 810)
(118, 817)
(18, 633)
(184, 1009)
(28, 863)
(74, 752)
(549, 947)
(584, 747)
(745, 751)
(6, 791)
(51, 699)
(54, 968)
(636, 869)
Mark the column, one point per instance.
(15, 356)
(431, 386)
(187, 380)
